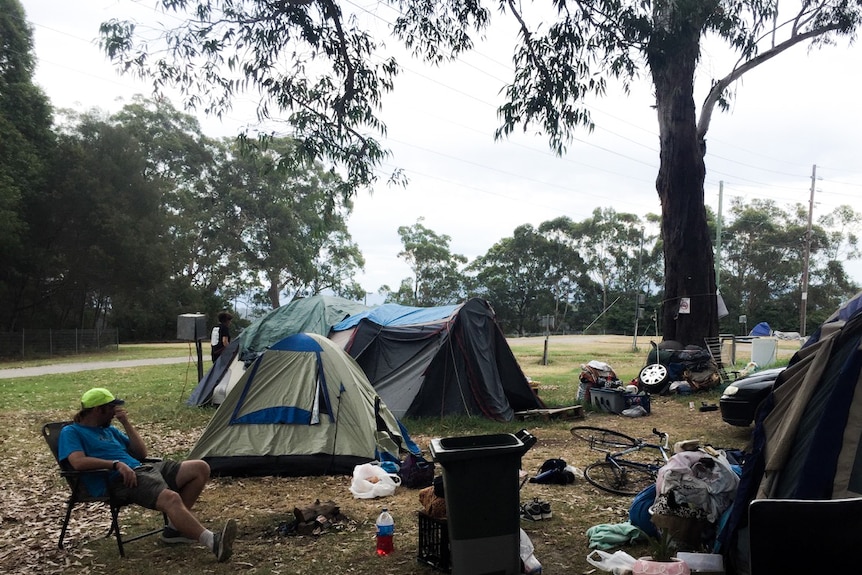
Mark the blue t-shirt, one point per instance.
(102, 442)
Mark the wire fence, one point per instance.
(42, 343)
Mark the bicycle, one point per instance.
(618, 473)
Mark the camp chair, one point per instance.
(713, 346)
(804, 536)
(79, 493)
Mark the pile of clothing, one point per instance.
(693, 490)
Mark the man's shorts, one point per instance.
(153, 478)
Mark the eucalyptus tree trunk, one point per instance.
(688, 257)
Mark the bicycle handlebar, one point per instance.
(661, 435)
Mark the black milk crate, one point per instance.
(434, 542)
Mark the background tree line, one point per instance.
(130, 219)
(586, 275)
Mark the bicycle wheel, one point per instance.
(603, 438)
(618, 479)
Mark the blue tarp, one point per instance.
(391, 314)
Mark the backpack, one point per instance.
(214, 339)
(639, 514)
(416, 472)
(553, 471)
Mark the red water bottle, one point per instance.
(385, 532)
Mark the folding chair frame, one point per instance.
(713, 346)
(79, 493)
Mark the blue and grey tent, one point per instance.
(304, 407)
(438, 361)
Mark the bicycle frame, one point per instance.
(662, 448)
(617, 458)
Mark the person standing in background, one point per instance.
(221, 339)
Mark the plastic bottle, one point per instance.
(385, 532)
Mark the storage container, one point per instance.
(433, 542)
(616, 400)
(480, 478)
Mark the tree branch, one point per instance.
(721, 85)
(528, 42)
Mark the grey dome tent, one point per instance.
(302, 408)
(438, 361)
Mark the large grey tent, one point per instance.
(315, 314)
(806, 442)
(438, 361)
(302, 408)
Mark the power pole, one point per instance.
(718, 237)
(639, 298)
(803, 308)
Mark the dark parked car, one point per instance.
(741, 398)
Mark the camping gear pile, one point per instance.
(679, 369)
(595, 374)
(693, 490)
(600, 387)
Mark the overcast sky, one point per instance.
(791, 113)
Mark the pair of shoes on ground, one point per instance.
(536, 510)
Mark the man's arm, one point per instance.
(137, 447)
(82, 462)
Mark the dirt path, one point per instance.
(75, 367)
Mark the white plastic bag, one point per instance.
(370, 481)
(531, 564)
(616, 562)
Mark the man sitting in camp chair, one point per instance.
(92, 443)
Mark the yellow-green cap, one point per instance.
(99, 396)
